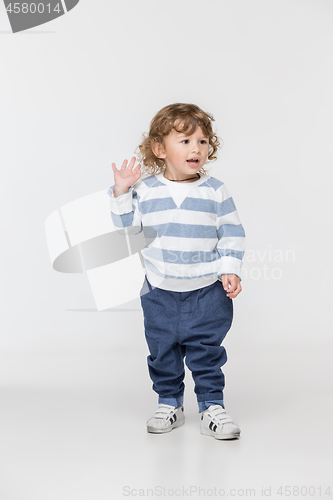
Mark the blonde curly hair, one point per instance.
(181, 117)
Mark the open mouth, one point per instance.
(193, 161)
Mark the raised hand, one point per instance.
(126, 176)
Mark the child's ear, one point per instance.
(158, 150)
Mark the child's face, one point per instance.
(178, 151)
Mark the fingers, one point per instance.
(233, 293)
(131, 163)
(127, 166)
(225, 281)
(231, 285)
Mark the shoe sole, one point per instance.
(178, 423)
(207, 432)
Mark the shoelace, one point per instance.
(219, 415)
(164, 411)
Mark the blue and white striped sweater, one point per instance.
(199, 234)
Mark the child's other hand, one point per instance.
(126, 176)
(235, 286)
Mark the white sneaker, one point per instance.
(166, 418)
(217, 423)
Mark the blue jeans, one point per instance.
(190, 325)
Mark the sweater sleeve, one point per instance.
(230, 233)
(125, 211)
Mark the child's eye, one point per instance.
(203, 141)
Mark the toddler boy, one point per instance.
(192, 267)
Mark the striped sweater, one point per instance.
(199, 234)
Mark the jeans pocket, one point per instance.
(150, 303)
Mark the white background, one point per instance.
(76, 95)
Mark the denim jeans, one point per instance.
(190, 325)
